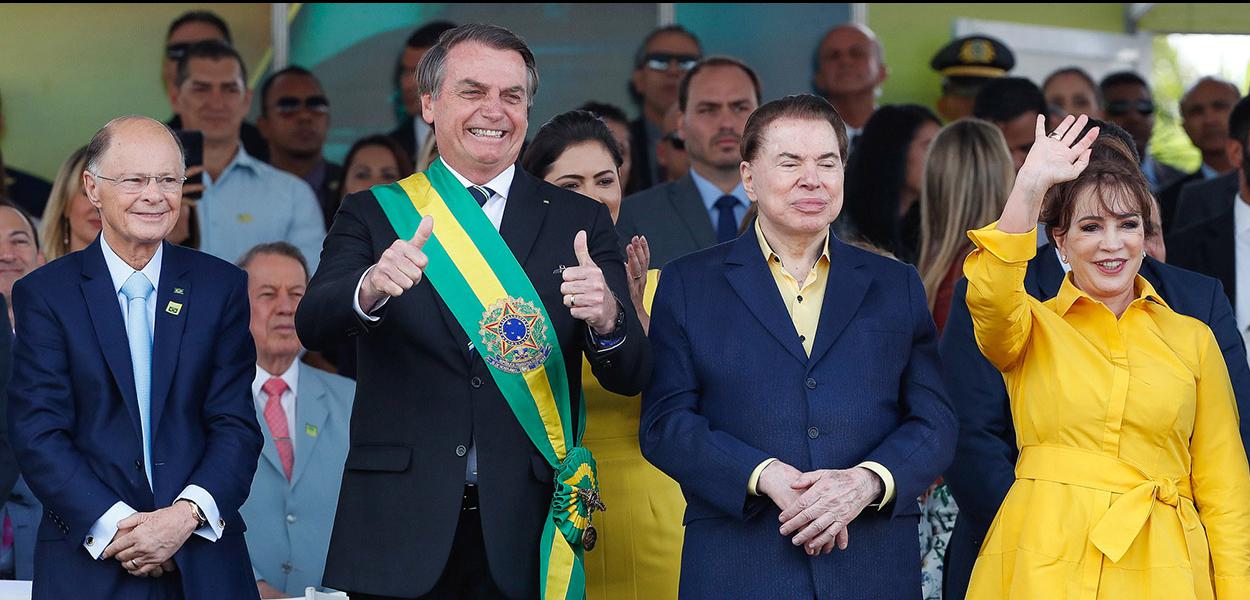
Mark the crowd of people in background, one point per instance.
(917, 180)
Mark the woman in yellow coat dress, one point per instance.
(638, 554)
(1132, 481)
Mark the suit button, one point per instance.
(813, 433)
(221, 523)
(461, 450)
(811, 383)
(139, 465)
(287, 568)
(290, 518)
(607, 364)
(476, 382)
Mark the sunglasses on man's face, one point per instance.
(1120, 108)
(660, 61)
(289, 105)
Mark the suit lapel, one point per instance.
(110, 328)
(688, 205)
(1222, 254)
(172, 306)
(844, 292)
(310, 418)
(1045, 274)
(523, 216)
(748, 275)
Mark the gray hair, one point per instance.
(104, 137)
(432, 69)
(278, 248)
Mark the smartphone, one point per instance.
(193, 147)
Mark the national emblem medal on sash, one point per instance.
(514, 336)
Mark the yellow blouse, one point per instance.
(1132, 481)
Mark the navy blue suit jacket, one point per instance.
(732, 386)
(985, 457)
(74, 418)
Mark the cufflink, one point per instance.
(90, 540)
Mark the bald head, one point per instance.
(131, 130)
(849, 61)
(1205, 109)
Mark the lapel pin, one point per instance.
(245, 217)
(178, 290)
(310, 429)
(559, 270)
(546, 201)
(173, 308)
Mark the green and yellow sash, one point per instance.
(495, 303)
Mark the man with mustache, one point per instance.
(295, 118)
(707, 206)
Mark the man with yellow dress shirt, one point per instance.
(799, 418)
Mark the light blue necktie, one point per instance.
(136, 290)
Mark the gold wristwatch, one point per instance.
(200, 519)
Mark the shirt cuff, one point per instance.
(1006, 247)
(101, 534)
(887, 481)
(356, 300)
(204, 500)
(753, 482)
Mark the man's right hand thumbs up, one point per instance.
(401, 267)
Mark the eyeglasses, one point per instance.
(289, 105)
(677, 142)
(176, 51)
(660, 61)
(1120, 108)
(133, 184)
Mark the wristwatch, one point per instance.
(200, 519)
(618, 330)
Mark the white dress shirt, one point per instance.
(1241, 263)
(291, 377)
(102, 532)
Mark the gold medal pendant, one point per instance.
(589, 538)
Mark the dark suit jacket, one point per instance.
(1209, 248)
(641, 154)
(1203, 200)
(422, 396)
(733, 387)
(8, 464)
(406, 137)
(1169, 197)
(329, 196)
(672, 216)
(27, 191)
(985, 457)
(74, 419)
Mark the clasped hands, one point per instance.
(145, 543)
(817, 507)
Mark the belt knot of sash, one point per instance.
(1139, 491)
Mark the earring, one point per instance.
(1063, 258)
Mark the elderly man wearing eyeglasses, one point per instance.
(294, 118)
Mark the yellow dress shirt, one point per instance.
(1132, 481)
(803, 302)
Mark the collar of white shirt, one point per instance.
(1241, 216)
(501, 184)
(290, 376)
(120, 271)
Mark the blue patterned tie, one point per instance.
(726, 221)
(480, 193)
(136, 290)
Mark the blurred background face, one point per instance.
(717, 106)
(213, 99)
(18, 253)
(588, 169)
(275, 286)
(297, 116)
(370, 166)
(1019, 133)
(83, 218)
(796, 177)
(408, 90)
(1204, 115)
(1131, 106)
(183, 36)
(848, 63)
(667, 57)
(620, 131)
(1104, 250)
(670, 151)
(916, 153)
(1072, 95)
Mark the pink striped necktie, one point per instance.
(275, 418)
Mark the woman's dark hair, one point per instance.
(1115, 179)
(564, 130)
(401, 158)
(877, 172)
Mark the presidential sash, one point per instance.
(495, 303)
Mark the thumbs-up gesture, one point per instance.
(586, 293)
(400, 267)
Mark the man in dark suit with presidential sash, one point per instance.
(465, 478)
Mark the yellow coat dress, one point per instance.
(1132, 480)
(638, 556)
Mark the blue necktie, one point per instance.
(726, 221)
(480, 193)
(136, 290)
